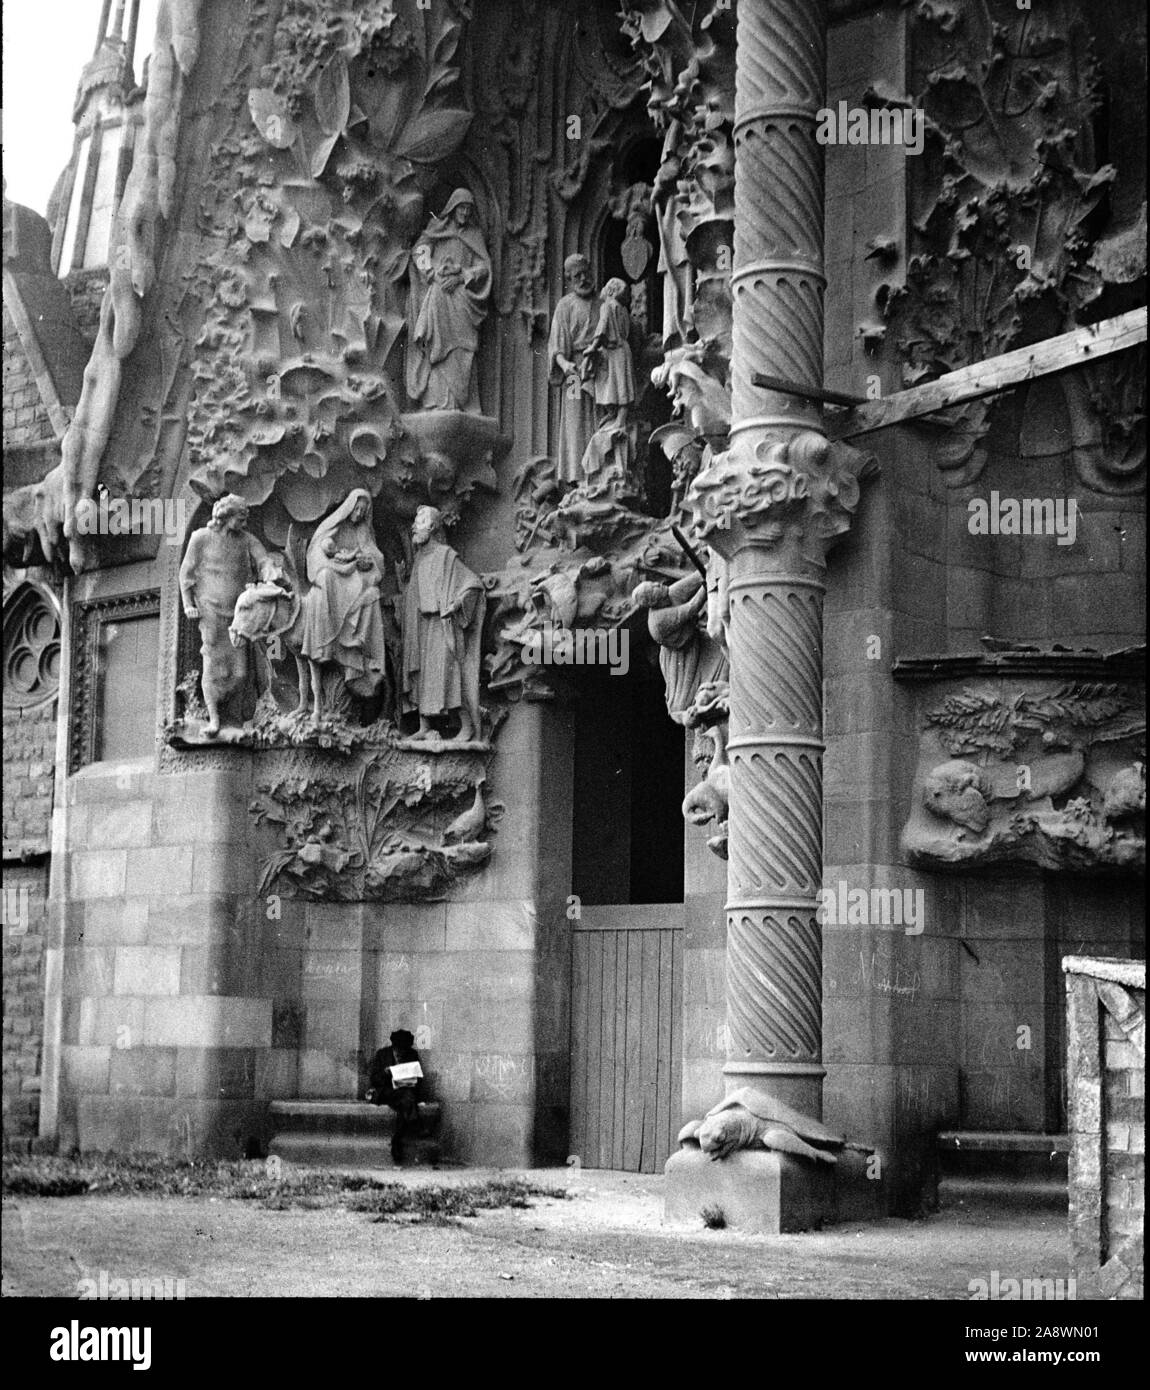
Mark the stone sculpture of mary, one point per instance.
(342, 621)
(450, 289)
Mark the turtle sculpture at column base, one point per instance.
(748, 1119)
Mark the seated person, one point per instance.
(403, 1097)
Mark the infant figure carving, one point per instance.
(609, 367)
(442, 634)
(449, 293)
(221, 559)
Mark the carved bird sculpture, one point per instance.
(470, 824)
(710, 798)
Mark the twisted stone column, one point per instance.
(774, 948)
(769, 506)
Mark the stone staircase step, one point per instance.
(345, 1117)
(351, 1151)
(349, 1134)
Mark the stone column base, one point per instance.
(768, 1193)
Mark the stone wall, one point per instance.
(1106, 1028)
(160, 968)
(25, 416)
(29, 757)
(187, 1001)
(921, 1030)
(25, 903)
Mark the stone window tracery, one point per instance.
(31, 648)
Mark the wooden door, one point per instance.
(626, 1036)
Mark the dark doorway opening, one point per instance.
(627, 825)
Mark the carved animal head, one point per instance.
(956, 791)
(722, 1134)
(1126, 794)
(704, 802)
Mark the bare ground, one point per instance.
(604, 1240)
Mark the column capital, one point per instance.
(789, 493)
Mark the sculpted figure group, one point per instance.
(332, 617)
(589, 357)
(410, 642)
(336, 609)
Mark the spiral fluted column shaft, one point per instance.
(774, 950)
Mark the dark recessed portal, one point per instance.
(628, 828)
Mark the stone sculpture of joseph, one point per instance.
(442, 631)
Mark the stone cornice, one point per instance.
(1128, 663)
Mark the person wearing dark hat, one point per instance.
(392, 1080)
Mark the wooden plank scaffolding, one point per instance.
(993, 376)
(989, 378)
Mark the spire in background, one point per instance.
(105, 114)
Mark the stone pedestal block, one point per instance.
(756, 1191)
(769, 1193)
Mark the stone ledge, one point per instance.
(1131, 973)
(1007, 1141)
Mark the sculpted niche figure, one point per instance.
(688, 657)
(450, 289)
(609, 357)
(572, 330)
(220, 560)
(608, 366)
(342, 619)
(442, 633)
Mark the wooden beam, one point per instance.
(997, 374)
(806, 393)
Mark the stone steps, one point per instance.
(349, 1134)
(1007, 1169)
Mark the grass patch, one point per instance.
(149, 1175)
(440, 1205)
(714, 1218)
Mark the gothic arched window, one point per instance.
(31, 648)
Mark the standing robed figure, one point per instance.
(449, 291)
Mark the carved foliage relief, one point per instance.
(1017, 222)
(385, 828)
(1050, 773)
(300, 387)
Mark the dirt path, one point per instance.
(605, 1240)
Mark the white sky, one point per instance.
(46, 44)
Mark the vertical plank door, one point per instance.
(626, 1021)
